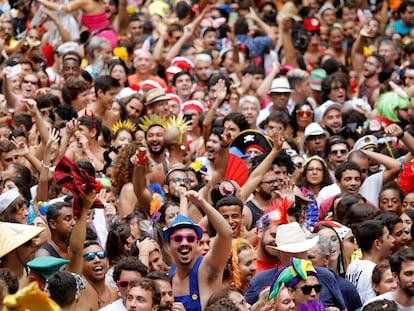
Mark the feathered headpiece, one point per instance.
(277, 213)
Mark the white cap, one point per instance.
(324, 108)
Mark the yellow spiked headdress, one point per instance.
(147, 122)
(126, 124)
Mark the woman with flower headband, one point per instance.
(315, 175)
(241, 266)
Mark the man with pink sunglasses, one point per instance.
(195, 277)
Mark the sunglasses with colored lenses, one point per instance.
(178, 238)
(305, 113)
(122, 283)
(91, 256)
(178, 180)
(31, 82)
(307, 289)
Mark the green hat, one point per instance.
(45, 266)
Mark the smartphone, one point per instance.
(188, 117)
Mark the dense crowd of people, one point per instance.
(230, 155)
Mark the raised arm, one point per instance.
(257, 174)
(405, 137)
(287, 43)
(139, 181)
(216, 259)
(188, 33)
(31, 106)
(357, 52)
(221, 94)
(393, 167)
(11, 98)
(70, 128)
(42, 191)
(122, 20)
(159, 46)
(267, 82)
(78, 236)
(65, 35)
(67, 7)
(262, 25)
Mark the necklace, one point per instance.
(101, 302)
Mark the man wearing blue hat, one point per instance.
(191, 272)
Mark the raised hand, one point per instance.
(72, 126)
(53, 137)
(393, 130)
(221, 92)
(22, 148)
(31, 106)
(195, 197)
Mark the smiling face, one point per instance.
(184, 252)
(212, 146)
(30, 84)
(233, 215)
(95, 269)
(336, 246)
(350, 181)
(155, 139)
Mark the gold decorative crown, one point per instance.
(148, 121)
(126, 124)
(178, 122)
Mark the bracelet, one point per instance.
(401, 135)
(44, 165)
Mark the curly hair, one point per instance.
(123, 168)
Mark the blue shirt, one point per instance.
(257, 45)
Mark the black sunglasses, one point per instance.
(307, 289)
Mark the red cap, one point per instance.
(312, 24)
